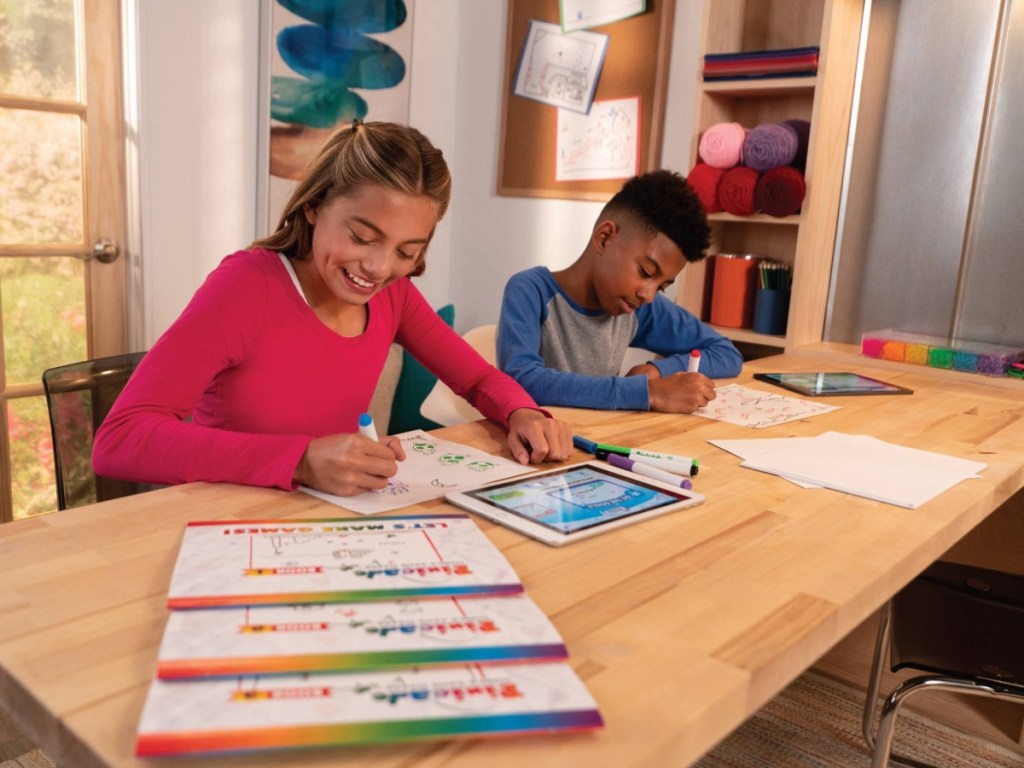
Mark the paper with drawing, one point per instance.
(432, 467)
(736, 404)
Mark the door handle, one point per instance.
(105, 250)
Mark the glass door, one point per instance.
(62, 220)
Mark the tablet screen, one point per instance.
(576, 498)
(833, 383)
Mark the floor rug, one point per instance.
(816, 723)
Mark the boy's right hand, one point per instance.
(349, 464)
(680, 392)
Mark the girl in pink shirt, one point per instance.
(280, 349)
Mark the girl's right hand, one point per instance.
(349, 464)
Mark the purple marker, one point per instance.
(648, 471)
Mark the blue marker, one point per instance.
(366, 427)
(584, 445)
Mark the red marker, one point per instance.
(694, 366)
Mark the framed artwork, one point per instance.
(551, 150)
(326, 63)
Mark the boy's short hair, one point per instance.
(662, 201)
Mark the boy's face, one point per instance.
(632, 266)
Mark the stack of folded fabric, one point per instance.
(785, 62)
(743, 171)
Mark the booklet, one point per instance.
(231, 715)
(277, 562)
(337, 637)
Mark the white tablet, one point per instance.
(560, 506)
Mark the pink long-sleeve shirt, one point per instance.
(261, 376)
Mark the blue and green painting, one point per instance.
(332, 55)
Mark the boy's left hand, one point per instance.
(644, 369)
(533, 437)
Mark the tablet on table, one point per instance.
(559, 506)
(832, 383)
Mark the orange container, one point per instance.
(733, 289)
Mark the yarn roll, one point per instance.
(721, 146)
(803, 135)
(704, 179)
(770, 145)
(780, 191)
(736, 190)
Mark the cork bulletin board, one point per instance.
(635, 66)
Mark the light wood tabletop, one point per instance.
(681, 626)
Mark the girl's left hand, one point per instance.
(533, 437)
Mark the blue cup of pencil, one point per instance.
(771, 300)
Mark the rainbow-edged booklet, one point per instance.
(249, 713)
(336, 637)
(277, 562)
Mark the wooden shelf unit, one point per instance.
(805, 240)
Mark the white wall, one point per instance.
(197, 106)
(198, 148)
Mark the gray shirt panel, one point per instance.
(594, 345)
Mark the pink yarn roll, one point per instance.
(736, 190)
(704, 179)
(770, 145)
(721, 146)
(780, 191)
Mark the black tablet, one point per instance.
(559, 506)
(832, 383)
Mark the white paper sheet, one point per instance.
(432, 467)
(866, 466)
(754, 447)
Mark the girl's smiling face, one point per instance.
(365, 240)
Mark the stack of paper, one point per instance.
(857, 464)
(302, 640)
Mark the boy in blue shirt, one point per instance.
(563, 335)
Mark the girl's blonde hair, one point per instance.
(394, 156)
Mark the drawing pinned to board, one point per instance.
(560, 69)
(581, 14)
(331, 62)
(604, 144)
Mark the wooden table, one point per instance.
(681, 627)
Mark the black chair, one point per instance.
(961, 625)
(78, 397)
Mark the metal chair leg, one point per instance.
(887, 723)
(877, 665)
(871, 700)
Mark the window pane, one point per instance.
(33, 487)
(40, 177)
(37, 49)
(44, 316)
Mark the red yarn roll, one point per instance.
(736, 191)
(780, 191)
(703, 179)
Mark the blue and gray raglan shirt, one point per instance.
(564, 354)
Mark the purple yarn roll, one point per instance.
(803, 135)
(770, 145)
